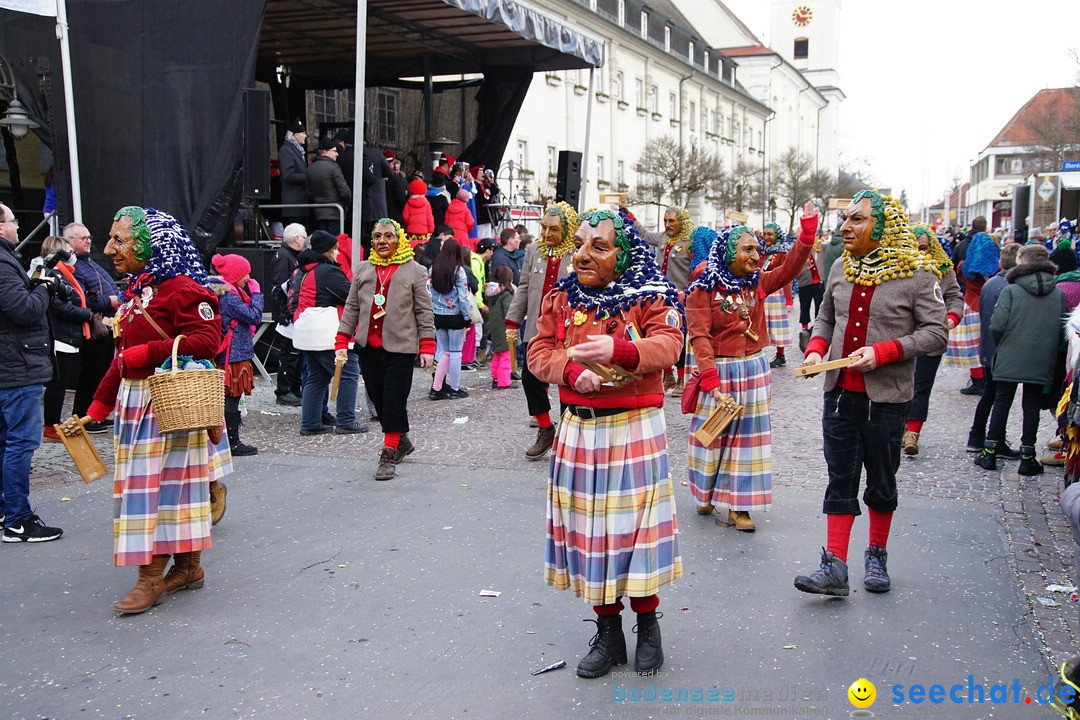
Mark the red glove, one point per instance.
(136, 357)
(98, 411)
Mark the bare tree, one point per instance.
(673, 174)
(742, 189)
(791, 182)
(1057, 133)
(853, 178)
(822, 187)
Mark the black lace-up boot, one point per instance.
(649, 655)
(608, 648)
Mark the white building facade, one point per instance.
(659, 78)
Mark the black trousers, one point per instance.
(536, 390)
(388, 380)
(986, 404)
(925, 373)
(1031, 404)
(52, 403)
(807, 294)
(95, 356)
(859, 433)
(289, 362)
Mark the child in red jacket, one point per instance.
(459, 217)
(419, 222)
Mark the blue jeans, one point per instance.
(320, 373)
(20, 435)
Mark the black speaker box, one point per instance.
(568, 181)
(256, 160)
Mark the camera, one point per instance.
(56, 257)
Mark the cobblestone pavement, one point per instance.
(488, 431)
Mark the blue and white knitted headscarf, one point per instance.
(701, 242)
(639, 279)
(783, 243)
(983, 257)
(164, 243)
(718, 275)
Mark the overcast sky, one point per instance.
(930, 82)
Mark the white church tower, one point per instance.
(806, 34)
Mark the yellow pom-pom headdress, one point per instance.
(402, 254)
(569, 217)
(898, 254)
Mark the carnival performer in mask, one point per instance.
(611, 529)
(546, 262)
(775, 248)
(388, 316)
(884, 307)
(725, 315)
(162, 485)
(926, 366)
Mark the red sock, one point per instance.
(915, 425)
(838, 534)
(644, 604)
(780, 352)
(805, 326)
(977, 373)
(391, 440)
(880, 522)
(544, 419)
(608, 610)
(681, 374)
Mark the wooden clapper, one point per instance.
(81, 449)
(339, 363)
(825, 366)
(718, 420)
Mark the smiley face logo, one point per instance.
(862, 693)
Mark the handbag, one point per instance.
(474, 311)
(690, 393)
(98, 328)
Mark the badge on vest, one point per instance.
(938, 295)
(672, 318)
(205, 311)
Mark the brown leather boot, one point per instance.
(148, 591)
(544, 438)
(218, 490)
(669, 380)
(186, 573)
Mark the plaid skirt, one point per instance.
(736, 471)
(963, 350)
(161, 492)
(611, 528)
(777, 319)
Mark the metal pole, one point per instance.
(588, 134)
(358, 132)
(69, 107)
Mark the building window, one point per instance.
(552, 159)
(600, 167)
(654, 98)
(802, 48)
(705, 63)
(386, 117)
(693, 115)
(672, 103)
(640, 90)
(667, 38)
(644, 25)
(523, 154)
(691, 52)
(324, 105)
(617, 85)
(620, 172)
(622, 12)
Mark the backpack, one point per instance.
(292, 294)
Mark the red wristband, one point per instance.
(136, 357)
(511, 325)
(887, 352)
(572, 372)
(709, 380)
(817, 345)
(625, 354)
(427, 346)
(341, 341)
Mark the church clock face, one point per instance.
(802, 16)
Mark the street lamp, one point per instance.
(15, 119)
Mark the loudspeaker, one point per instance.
(568, 182)
(1021, 207)
(256, 158)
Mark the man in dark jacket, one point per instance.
(284, 262)
(507, 254)
(26, 355)
(102, 296)
(376, 173)
(292, 159)
(397, 189)
(327, 185)
(438, 197)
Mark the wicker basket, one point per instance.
(188, 400)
